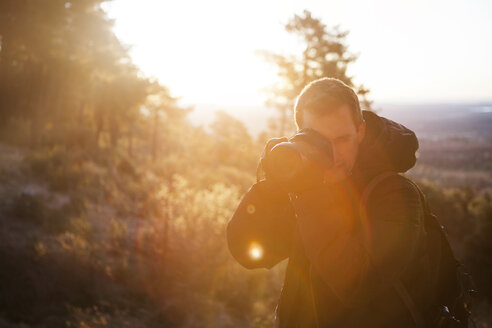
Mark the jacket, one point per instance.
(343, 265)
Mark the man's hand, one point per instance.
(260, 232)
(266, 150)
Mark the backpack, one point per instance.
(454, 287)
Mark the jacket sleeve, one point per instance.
(259, 234)
(358, 259)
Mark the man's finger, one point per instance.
(273, 142)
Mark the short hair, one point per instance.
(326, 94)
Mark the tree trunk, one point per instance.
(154, 137)
(99, 125)
(114, 133)
(39, 105)
(130, 141)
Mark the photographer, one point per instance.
(334, 203)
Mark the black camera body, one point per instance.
(299, 163)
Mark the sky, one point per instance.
(417, 51)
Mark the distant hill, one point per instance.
(438, 121)
(470, 120)
(455, 142)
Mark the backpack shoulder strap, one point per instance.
(397, 284)
(371, 185)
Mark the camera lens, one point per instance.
(285, 161)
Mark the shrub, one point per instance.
(32, 208)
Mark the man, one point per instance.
(347, 267)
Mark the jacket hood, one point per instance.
(387, 146)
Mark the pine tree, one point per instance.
(325, 54)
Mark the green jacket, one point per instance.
(342, 264)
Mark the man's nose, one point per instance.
(337, 159)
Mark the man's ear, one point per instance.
(361, 132)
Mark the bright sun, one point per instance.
(202, 54)
(204, 51)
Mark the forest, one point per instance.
(113, 205)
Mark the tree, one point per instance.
(163, 107)
(233, 144)
(58, 58)
(325, 54)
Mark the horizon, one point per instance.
(255, 117)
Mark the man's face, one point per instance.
(339, 127)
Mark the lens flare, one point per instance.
(251, 209)
(256, 251)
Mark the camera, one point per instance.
(300, 162)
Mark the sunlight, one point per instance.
(205, 51)
(131, 135)
(206, 56)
